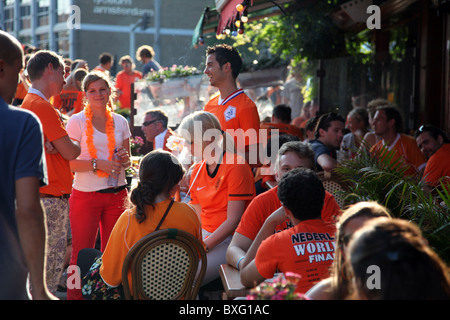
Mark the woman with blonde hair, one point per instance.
(221, 184)
(337, 286)
(105, 154)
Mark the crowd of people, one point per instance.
(65, 185)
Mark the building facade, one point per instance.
(83, 29)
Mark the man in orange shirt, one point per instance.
(387, 124)
(281, 119)
(307, 249)
(237, 113)
(46, 73)
(435, 145)
(124, 79)
(293, 154)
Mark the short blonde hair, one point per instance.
(127, 58)
(190, 130)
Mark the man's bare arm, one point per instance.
(32, 233)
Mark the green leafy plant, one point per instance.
(376, 177)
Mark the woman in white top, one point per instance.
(95, 202)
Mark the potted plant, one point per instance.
(376, 177)
(174, 82)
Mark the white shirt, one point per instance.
(36, 91)
(89, 181)
(159, 140)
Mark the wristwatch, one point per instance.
(94, 164)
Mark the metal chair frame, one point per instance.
(164, 266)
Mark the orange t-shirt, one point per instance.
(123, 83)
(298, 122)
(282, 128)
(405, 146)
(306, 249)
(127, 231)
(438, 166)
(60, 176)
(237, 112)
(69, 101)
(230, 182)
(264, 204)
(21, 91)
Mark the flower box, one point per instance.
(263, 78)
(174, 88)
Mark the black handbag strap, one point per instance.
(165, 215)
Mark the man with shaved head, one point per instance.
(23, 171)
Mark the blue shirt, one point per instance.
(21, 155)
(319, 148)
(152, 64)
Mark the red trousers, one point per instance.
(88, 212)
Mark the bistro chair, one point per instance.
(164, 266)
(334, 185)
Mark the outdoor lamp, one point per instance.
(240, 6)
(244, 17)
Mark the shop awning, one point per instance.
(216, 20)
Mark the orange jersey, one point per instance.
(123, 83)
(306, 249)
(127, 231)
(282, 128)
(264, 204)
(21, 91)
(236, 112)
(229, 182)
(299, 122)
(438, 166)
(69, 101)
(406, 147)
(59, 174)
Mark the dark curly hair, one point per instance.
(226, 53)
(302, 192)
(159, 172)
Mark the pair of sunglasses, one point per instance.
(147, 123)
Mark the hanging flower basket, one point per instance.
(173, 88)
(174, 82)
(263, 78)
